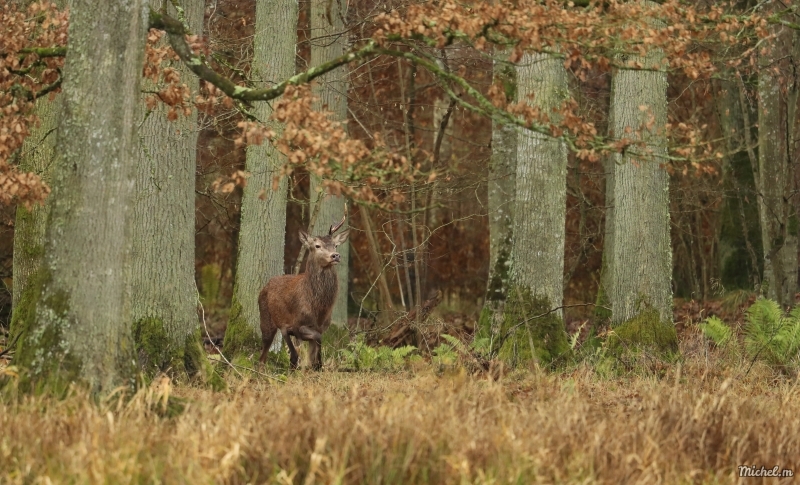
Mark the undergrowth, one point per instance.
(768, 336)
(697, 424)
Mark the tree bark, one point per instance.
(329, 41)
(164, 296)
(38, 155)
(75, 312)
(536, 272)
(777, 95)
(637, 251)
(263, 218)
(501, 199)
(541, 187)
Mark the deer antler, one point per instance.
(335, 227)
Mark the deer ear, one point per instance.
(341, 237)
(305, 239)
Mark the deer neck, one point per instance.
(323, 285)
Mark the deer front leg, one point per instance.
(292, 350)
(314, 339)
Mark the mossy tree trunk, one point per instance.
(164, 298)
(263, 220)
(777, 109)
(501, 196)
(75, 312)
(38, 155)
(637, 255)
(537, 248)
(329, 40)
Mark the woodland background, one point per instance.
(713, 209)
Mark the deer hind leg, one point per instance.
(267, 336)
(292, 350)
(268, 328)
(314, 339)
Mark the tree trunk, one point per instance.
(501, 196)
(329, 40)
(537, 248)
(75, 312)
(776, 168)
(637, 251)
(38, 155)
(164, 296)
(263, 220)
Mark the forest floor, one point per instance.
(697, 421)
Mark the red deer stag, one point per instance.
(300, 305)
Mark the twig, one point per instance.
(233, 366)
(11, 346)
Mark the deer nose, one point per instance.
(336, 257)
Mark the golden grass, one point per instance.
(693, 425)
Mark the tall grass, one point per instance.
(695, 425)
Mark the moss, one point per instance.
(499, 278)
(602, 311)
(198, 365)
(153, 350)
(521, 340)
(210, 277)
(180, 360)
(495, 293)
(508, 76)
(645, 330)
(240, 338)
(42, 353)
(643, 341)
(27, 222)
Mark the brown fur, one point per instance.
(300, 306)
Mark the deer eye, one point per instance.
(318, 246)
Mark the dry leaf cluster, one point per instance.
(25, 75)
(311, 138)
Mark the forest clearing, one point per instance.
(399, 241)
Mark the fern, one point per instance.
(763, 322)
(456, 344)
(716, 330)
(361, 356)
(400, 354)
(444, 354)
(771, 336)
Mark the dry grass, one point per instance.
(693, 425)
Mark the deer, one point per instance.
(300, 305)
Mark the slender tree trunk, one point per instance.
(263, 225)
(327, 26)
(776, 170)
(75, 312)
(38, 155)
(637, 252)
(501, 188)
(164, 297)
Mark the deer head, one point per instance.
(322, 249)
